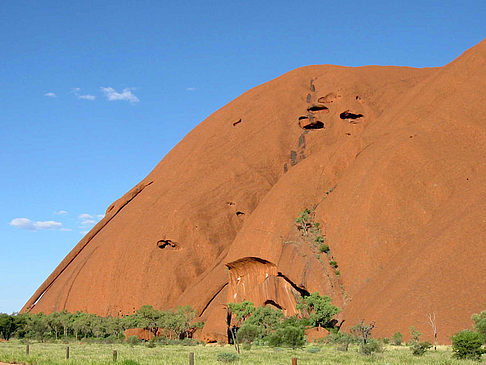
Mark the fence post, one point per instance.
(27, 350)
(294, 361)
(191, 358)
(67, 353)
(115, 355)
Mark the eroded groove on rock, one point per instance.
(237, 122)
(111, 212)
(293, 158)
(212, 298)
(257, 280)
(312, 87)
(302, 140)
(302, 291)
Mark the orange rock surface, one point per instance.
(392, 161)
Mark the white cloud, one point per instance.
(62, 212)
(127, 95)
(50, 95)
(48, 225)
(86, 219)
(86, 97)
(83, 232)
(76, 91)
(191, 89)
(100, 216)
(66, 229)
(25, 223)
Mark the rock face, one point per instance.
(390, 160)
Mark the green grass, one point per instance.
(81, 353)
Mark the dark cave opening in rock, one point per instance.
(317, 108)
(317, 125)
(166, 243)
(348, 115)
(272, 303)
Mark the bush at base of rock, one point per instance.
(288, 336)
(227, 357)
(467, 345)
(420, 348)
(370, 347)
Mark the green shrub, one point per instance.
(324, 248)
(129, 362)
(397, 339)
(190, 342)
(414, 335)
(467, 345)
(370, 347)
(246, 346)
(313, 349)
(150, 344)
(333, 263)
(420, 348)
(248, 333)
(480, 323)
(133, 340)
(340, 338)
(385, 340)
(227, 357)
(289, 336)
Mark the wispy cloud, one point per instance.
(62, 212)
(86, 219)
(86, 97)
(83, 232)
(113, 95)
(76, 92)
(25, 223)
(191, 89)
(50, 95)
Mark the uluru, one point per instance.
(390, 161)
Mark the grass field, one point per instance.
(54, 353)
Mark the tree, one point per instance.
(149, 318)
(363, 331)
(241, 310)
(37, 327)
(467, 345)
(480, 323)
(414, 335)
(318, 310)
(397, 338)
(304, 221)
(433, 325)
(7, 325)
(54, 323)
(266, 318)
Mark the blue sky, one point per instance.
(94, 93)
